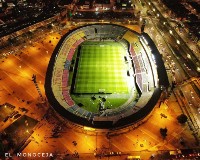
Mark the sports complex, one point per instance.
(105, 76)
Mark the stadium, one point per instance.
(105, 76)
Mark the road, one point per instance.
(182, 62)
(190, 63)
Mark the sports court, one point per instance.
(101, 68)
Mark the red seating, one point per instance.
(65, 78)
(67, 98)
(73, 47)
(70, 54)
(65, 92)
(132, 51)
(65, 75)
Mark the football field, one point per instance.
(101, 68)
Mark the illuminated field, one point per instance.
(101, 71)
(101, 68)
(103, 75)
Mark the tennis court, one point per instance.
(101, 68)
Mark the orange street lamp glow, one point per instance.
(88, 128)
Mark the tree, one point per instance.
(182, 118)
(163, 132)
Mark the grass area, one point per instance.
(93, 106)
(101, 67)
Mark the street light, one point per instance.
(177, 41)
(170, 31)
(88, 128)
(188, 55)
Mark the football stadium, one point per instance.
(105, 76)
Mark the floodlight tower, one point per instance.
(37, 87)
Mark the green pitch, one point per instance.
(101, 68)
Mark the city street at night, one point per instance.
(30, 125)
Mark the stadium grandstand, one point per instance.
(105, 76)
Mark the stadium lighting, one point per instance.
(88, 128)
(188, 55)
(145, 41)
(124, 81)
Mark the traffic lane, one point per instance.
(184, 35)
(172, 62)
(183, 46)
(180, 53)
(176, 36)
(195, 87)
(192, 99)
(188, 66)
